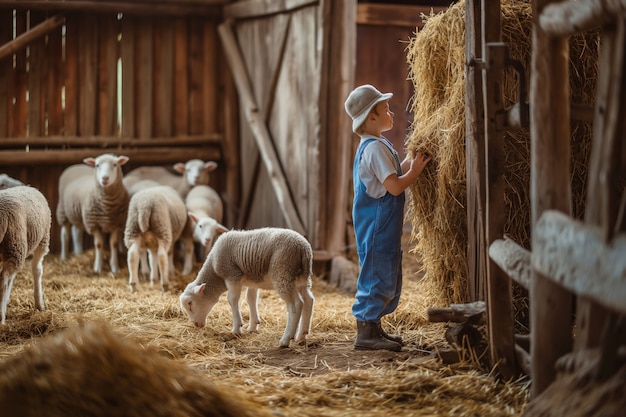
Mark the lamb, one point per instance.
(68, 175)
(193, 172)
(97, 204)
(24, 231)
(157, 217)
(263, 258)
(8, 182)
(205, 212)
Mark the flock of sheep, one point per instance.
(153, 209)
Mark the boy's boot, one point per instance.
(369, 338)
(393, 337)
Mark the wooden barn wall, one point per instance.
(147, 87)
(282, 61)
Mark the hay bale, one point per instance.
(91, 371)
(437, 203)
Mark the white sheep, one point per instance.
(68, 175)
(206, 212)
(8, 182)
(97, 204)
(263, 258)
(193, 172)
(157, 217)
(24, 231)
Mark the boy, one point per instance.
(378, 210)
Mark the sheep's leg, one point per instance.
(188, 265)
(132, 259)
(77, 240)
(294, 311)
(37, 270)
(6, 283)
(163, 258)
(154, 266)
(98, 244)
(307, 313)
(252, 296)
(65, 242)
(145, 265)
(234, 293)
(113, 260)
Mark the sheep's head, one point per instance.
(205, 229)
(196, 304)
(196, 171)
(108, 168)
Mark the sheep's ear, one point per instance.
(122, 159)
(210, 166)
(90, 161)
(221, 229)
(192, 216)
(199, 288)
(179, 167)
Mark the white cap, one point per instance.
(361, 101)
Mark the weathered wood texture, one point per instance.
(145, 86)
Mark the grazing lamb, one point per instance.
(258, 259)
(193, 172)
(157, 217)
(24, 231)
(98, 204)
(8, 182)
(205, 211)
(68, 175)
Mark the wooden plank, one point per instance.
(475, 154)
(88, 73)
(513, 259)
(17, 109)
(164, 78)
(196, 81)
(572, 16)
(72, 34)
(259, 129)
(607, 166)
(107, 74)
(181, 77)
(576, 256)
(551, 305)
(210, 10)
(499, 291)
(41, 29)
(230, 146)
(393, 14)
(144, 81)
(129, 87)
(36, 74)
(55, 82)
(261, 8)
(6, 72)
(210, 95)
(209, 139)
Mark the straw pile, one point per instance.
(325, 377)
(437, 207)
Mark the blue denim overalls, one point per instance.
(378, 229)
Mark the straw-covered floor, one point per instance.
(326, 377)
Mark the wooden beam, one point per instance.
(109, 141)
(394, 14)
(572, 16)
(513, 259)
(259, 128)
(550, 304)
(262, 8)
(139, 8)
(576, 256)
(42, 29)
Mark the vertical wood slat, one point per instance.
(107, 74)
(195, 61)
(499, 292)
(71, 75)
(36, 74)
(17, 112)
(144, 81)
(6, 72)
(181, 77)
(88, 74)
(551, 305)
(475, 154)
(164, 78)
(127, 54)
(55, 83)
(209, 78)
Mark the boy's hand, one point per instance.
(420, 161)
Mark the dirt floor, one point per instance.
(324, 377)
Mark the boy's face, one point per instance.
(382, 117)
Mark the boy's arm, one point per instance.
(397, 184)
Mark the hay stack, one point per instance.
(437, 205)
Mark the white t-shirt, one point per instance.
(377, 163)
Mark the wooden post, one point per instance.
(551, 305)
(499, 293)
